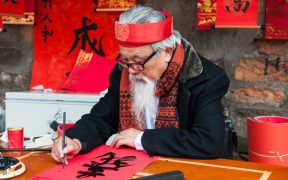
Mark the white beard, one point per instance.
(143, 93)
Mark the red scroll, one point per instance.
(276, 19)
(239, 14)
(206, 14)
(115, 5)
(267, 140)
(11, 7)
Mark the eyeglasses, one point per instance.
(135, 66)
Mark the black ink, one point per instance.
(46, 33)
(98, 168)
(46, 18)
(47, 2)
(239, 5)
(277, 65)
(266, 66)
(83, 32)
(13, 1)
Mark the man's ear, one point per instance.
(168, 52)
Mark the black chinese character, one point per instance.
(238, 5)
(98, 168)
(46, 18)
(47, 2)
(46, 33)
(83, 33)
(13, 1)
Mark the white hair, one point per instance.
(141, 15)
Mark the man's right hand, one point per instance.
(72, 148)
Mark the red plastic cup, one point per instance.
(15, 137)
(60, 127)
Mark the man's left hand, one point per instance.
(126, 137)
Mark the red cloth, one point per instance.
(90, 73)
(142, 34)
(244, 13)
(52, 60)
(11, 7)
(276, 19)
(206, 14)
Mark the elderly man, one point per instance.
(163, 97)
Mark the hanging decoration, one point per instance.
(11, 7)
(206, 14)
(237, 14)
(26, 18)
(276, 19)
(114, 5)
(62, 29)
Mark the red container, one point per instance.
(267, 140)
(60, 127)
(15, 137)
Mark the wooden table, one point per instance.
(37, 162)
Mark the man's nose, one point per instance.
(132, 71)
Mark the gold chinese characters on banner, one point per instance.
(206, 14)
(114, 5)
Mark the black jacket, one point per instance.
(201, 132)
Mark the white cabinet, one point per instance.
(35, 110)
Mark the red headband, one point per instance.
(142, 34)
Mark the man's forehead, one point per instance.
(135, 51)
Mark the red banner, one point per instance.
(62, 29)
(276, 19)
(29, 7)
(206, 14)
(114, 5)
(11, 7)
(241, 13)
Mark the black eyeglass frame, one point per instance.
(127, 65)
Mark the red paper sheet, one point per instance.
(11, 7)
(243, 13)
(90, 73)
(80, 165)
(267, 140)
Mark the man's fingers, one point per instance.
(55, 156)
(115, 140)
(120, 142)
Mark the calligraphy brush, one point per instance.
(63, 138)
